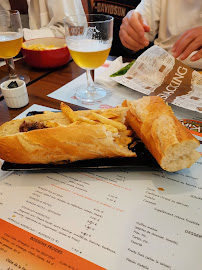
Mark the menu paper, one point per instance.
(115, 95)
(124, 89)
(157, 73)
(122, 219)
(102, 219)
(23, 250)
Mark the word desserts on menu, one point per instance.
(53, 137)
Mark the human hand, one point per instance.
(132, 31)
(188, 42)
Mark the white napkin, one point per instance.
(193, 64)
(38, 33)
(104, 77)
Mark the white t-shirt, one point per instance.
(168, 19)
(46, 16)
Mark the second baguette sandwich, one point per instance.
(171, 144)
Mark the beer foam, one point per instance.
(79, 44)
(7, 36)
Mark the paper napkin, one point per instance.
(38, 33)
(104, 76)
(193, 64)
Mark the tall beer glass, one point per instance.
(11, 38)
(89, 39)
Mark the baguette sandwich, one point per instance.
(70, 136)
(170, 143)
(66, 136)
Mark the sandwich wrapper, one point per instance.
(157, 73)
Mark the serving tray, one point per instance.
(143, 159)
(84, 164)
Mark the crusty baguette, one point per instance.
(64, 142)
(171, 144)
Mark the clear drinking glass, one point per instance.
(11, 38)
(89, 40)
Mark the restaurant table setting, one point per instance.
(110, 214)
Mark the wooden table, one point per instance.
(42, 82)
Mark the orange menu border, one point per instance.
(22, 250)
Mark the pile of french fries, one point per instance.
(111, 119)
(40, 47)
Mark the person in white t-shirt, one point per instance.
(43, 18)
(174, 25)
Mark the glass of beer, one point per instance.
(89, 40)
(11, 38)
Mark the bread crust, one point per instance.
(171, 144)
(67, 142)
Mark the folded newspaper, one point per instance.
(157, 73)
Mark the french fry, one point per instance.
(110, 122)
(40, 47)
(110, 114)
(123, 140)
(133, 144)
(51, 124)
(113, 113)
(68, 112)
(127, 132)
(95, 118)
(87, 120)
(111, 128)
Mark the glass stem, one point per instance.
(90, 81)
(11, 68)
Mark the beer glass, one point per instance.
(11, 38)
(89, 40)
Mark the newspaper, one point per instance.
(157, 73)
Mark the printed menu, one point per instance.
(121, 219)
(136, 218)
(116, 94)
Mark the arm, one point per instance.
(140, 25)
(132, 31)
(187, 43)
(51, 15)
